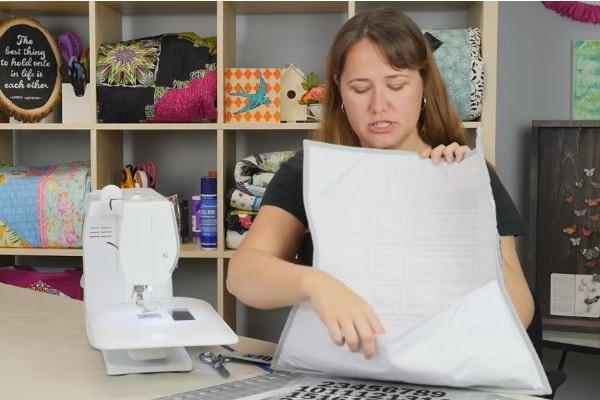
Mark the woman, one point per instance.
(385, 92)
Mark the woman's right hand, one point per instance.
(349, 319)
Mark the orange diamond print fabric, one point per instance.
(252, 95)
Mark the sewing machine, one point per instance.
(130, 249)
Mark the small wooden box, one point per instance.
(76, 109)
(252, 95)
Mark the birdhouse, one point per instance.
(252, 95)
(291, 91)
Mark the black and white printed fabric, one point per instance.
(457, 53)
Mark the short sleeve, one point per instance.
(508, 218)
(285, 189)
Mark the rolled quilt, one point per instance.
(233, 239)
(43, 206)
(253, 173)
(239, 221)
(243, 201)
(457, 53)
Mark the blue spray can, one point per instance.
(208, 211)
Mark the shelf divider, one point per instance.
(226, 302)
(107, 157)
(6, 146)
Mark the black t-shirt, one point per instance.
(285, 191)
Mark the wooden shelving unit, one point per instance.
(107, 21)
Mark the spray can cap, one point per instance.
(208, 185)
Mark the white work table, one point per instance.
(44, 353)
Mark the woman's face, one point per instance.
(382, 104)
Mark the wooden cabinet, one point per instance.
(564, 223)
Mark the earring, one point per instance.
(342, 108)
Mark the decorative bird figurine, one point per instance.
(254, 99)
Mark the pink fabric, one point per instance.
(41, 207)
(62, 282)
(576, 10)
(192, 103)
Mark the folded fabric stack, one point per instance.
(64, 282)
(457, 53)
(252, 176)
(43, 206)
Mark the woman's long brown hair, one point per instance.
(401, 41)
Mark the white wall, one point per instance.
(534, 83)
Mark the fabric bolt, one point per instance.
(43, 206)
(253, 173)
(245, 188)
(56, 281)
(243, 201)
(233, 239)
(422, 248)
(458, 57)
(240, 221)
(252, 176)
(165, 78)
(262, 179)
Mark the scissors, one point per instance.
(73, 69)
(140, 179)
(216, 361)
(77, 69)
(151, 171)
(70, 46)
(127, 174)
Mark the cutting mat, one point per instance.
(239, 389)
(289, 386)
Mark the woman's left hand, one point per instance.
(452, 152)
